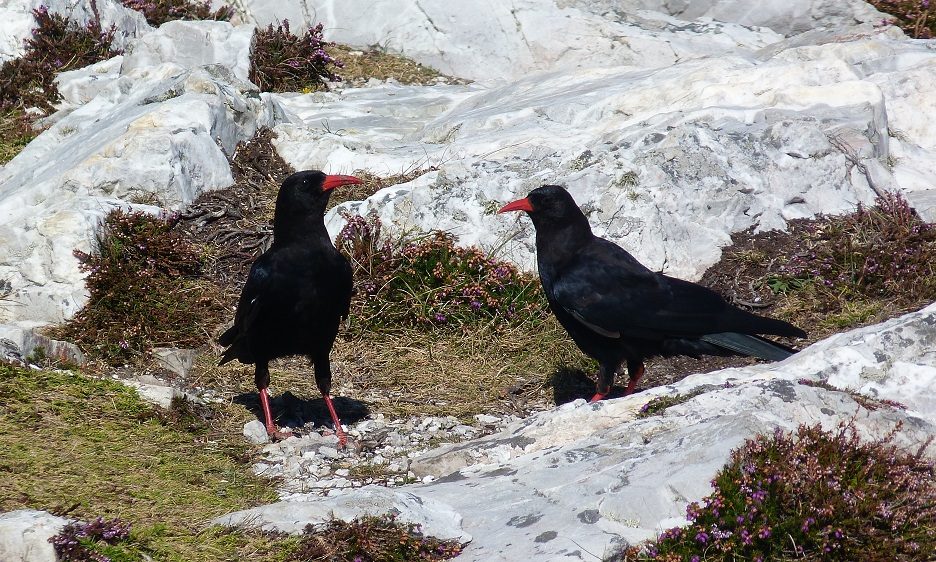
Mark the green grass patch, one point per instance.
(87, 448)
(15, 133)
(810, 495)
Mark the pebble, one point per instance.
(256, 432)
(309, 461)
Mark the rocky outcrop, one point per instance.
(578, 481)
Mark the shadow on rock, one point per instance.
(291, 411)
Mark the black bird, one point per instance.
(297, 292)
(619, 312)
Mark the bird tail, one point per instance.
(745, 344)
(230, 340)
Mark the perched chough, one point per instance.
(619, 312)
(297, 291)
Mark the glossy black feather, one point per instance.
(298, 291)
(618, 311)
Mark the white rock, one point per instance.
(24, 535)
(191, 45)
(502, 41)
(666, 163)
(435, 518)
(178, 361)
(256, 432)
(329, 452)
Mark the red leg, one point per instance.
(635, 374)
(342, 439)
(271, 428)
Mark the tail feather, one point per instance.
(754, 346)
(235, 349)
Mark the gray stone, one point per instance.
(173, 359)
(256, 433)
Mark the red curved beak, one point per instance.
(331, 182)
(518, 205)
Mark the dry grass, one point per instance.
(360, 66)
(511, 370)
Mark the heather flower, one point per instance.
(804, 494)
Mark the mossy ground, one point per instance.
(87, 447)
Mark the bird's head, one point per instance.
(548, 205)
(303, 198)
(309, 190)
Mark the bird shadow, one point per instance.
(289, 410)
(572, 384)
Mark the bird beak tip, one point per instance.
(331, 182)
(518, 205)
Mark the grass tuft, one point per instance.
(867, 402)
(658, 405)
(360, 66)
(145, 290)
(810, 495)
(284, 62)
(372, 539)
(15, 133)
(427, 281)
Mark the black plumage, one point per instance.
(619, 312)
(297, 292)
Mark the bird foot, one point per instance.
(277, 435)
(598, 396)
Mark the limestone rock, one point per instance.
(24, 535)
(434, 518)
(583, 478)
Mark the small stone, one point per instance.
(256, 432)
(487, 419)
(342, 472)
(329, 452)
